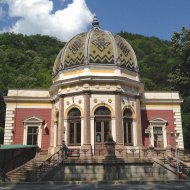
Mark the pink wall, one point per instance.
(168, 115)
(21, 114)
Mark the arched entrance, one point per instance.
(74, 127)
(102, 123)
(128, 127)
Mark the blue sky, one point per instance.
(158, 18)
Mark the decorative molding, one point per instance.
(110, 100)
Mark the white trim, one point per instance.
(26, 126)
(55, 135)
(134, 133)
(82, 131)
(92, 130)
(33, 121)
(158, 122)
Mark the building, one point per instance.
(96, 94)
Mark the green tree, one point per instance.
(180, 75)
(179, 78)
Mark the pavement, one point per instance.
(180, 185)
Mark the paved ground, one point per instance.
(148, 186)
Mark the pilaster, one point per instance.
(138, 121)
(86, 149)
(118, 122)
(60, 121)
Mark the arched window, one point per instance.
(128, 127)
(102, 111)
(102, 125)
(74, 127)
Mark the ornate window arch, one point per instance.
(128, 127)
(74, 127)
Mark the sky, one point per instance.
(65, 18)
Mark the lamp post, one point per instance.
(176, 156)
(176, 153)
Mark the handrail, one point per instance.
(183, 167)
(120, 153)
(41, 170)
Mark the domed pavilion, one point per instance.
(96, 97)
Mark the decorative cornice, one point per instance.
(26, 99)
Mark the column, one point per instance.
(60, 120)
(118, 119)
(86, 149)
(138, 120)
(87, 118)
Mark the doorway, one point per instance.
(102, 125)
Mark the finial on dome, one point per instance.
(95, 22)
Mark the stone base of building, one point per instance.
(109, 170)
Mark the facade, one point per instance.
(96, 95)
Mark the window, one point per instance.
(158, 137)
(127, 127)
(74, 127)
(102, 111)
(33, 131)
(32, 135)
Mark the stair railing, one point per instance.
(182, 166)
(40, 171)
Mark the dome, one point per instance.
(96, 47)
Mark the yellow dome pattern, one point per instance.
(125, 53)
(74, 51)
(101, 48)
(96, 47)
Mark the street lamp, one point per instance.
(176, 152)
(176, 156)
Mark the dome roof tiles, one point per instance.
(96, 47)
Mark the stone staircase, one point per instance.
(171, 161)
(23, 173)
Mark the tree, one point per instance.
(179, 78)
(180, 75)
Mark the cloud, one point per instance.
(37, 17)
(2, 13)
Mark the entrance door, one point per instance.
(102, 132)
(102, 127)
(32, 135)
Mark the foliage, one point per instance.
(179, 78)
(155, 60)
(26, 62)
(180, 75)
